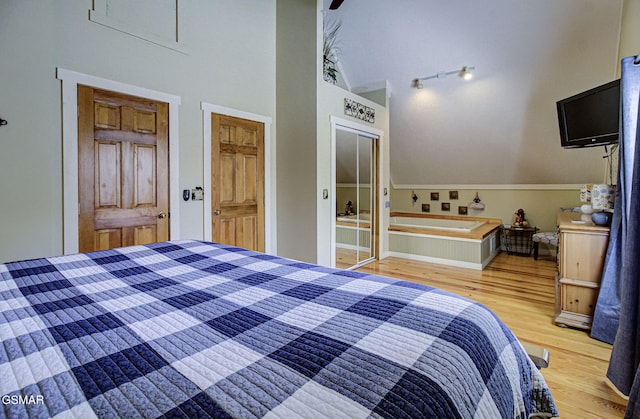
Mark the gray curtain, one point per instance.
(617, 314)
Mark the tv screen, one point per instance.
(590, 118)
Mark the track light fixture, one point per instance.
(464, 72)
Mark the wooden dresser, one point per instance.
(581, 251)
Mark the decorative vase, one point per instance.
(586, 209)
(602, 218)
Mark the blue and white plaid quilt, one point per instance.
(195, 329)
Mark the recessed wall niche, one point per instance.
(152, 20)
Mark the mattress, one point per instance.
(198, 329)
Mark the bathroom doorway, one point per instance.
(355, 216)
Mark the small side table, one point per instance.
(518, 240)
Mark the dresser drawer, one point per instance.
(578, 297)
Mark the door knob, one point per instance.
(217, 212)
(162, 215)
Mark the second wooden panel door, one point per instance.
(237, 179)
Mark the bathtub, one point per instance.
(353, 219)
(468, 242)
(354, 233)
(436, 223)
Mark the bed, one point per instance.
(198, 329)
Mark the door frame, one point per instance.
(348, 125)
(70, 208)
(269, 213)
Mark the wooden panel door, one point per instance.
(123, 170)
(237, 179)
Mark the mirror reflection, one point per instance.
(355, 181)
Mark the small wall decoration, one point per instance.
(358, 110)
(462, 210)
(426, 208)
(435, 196)
(453, 195)
(476, 204)
(446, 206)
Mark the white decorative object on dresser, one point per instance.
(581, 252)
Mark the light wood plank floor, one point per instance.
(346, 258)
(520, 290)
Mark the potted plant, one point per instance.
(329, 53)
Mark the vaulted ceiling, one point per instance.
(500, 127)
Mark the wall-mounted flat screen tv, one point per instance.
(590, 118)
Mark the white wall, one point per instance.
(229, 61)
(630, 32)
(305, 105)
(331, 103)
(296, 128)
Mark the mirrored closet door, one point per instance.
(355, 193)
